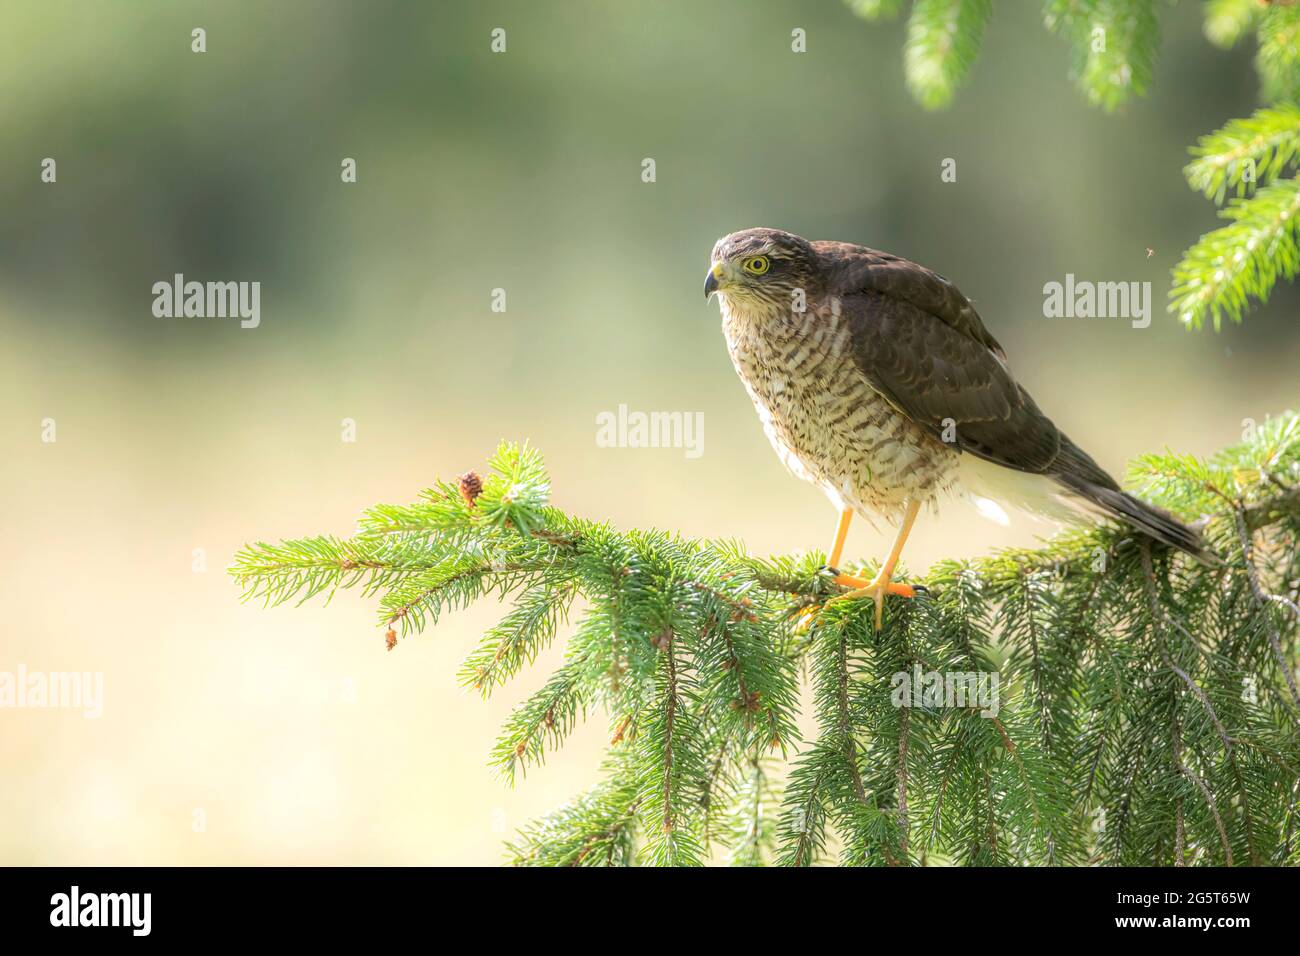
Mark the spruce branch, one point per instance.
(876, 9)
(1278, 59)
(1227, 268)
(943, 40)
(1147, 706)
(1227, 21)
(1261, 605)
(1114, 45)
(1246, 153)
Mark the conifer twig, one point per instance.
(687, 647)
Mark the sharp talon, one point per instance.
(876, 590)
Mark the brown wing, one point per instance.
(921, 344)
(851, 268)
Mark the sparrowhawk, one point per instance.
(876, 380)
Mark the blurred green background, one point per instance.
(290, 734)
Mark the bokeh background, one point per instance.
(291, 733)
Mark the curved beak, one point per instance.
(711, 280)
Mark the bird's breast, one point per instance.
(826, 422)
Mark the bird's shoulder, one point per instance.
(855, 270)
(920, 343)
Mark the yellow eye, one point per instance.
(757, 265)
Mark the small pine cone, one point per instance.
(391, 638)
(471, 486)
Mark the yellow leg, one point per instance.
(882, 583)
(832, 559)
(841, 533)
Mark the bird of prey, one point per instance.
(876, 380)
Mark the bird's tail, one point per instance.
(1084, 477)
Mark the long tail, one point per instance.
(1084, 477)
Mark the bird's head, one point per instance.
(761, 267)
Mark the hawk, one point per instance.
(876, 380)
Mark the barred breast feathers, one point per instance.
(825, 421)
